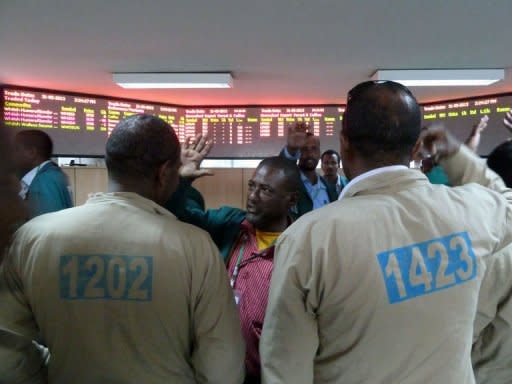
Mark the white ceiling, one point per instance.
(279, 51)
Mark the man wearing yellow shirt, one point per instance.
(246, 241)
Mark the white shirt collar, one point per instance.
(29, 178)
(368, 174)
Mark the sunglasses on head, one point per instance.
(364, 86)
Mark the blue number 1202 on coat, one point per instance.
(110, 277)
(423, 268)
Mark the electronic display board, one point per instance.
(459, 116)
(252, 132)
(79, 124)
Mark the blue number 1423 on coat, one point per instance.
(423, 268)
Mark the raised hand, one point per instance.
(437, 142)
(507, 121)
(193, 152)
(474, 138)
(296, 137)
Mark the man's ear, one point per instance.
(166, 172)
(344, 143)
(166, 180)
(162, 173)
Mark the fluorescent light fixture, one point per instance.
(441, 77)
(173, 80)
(230, 163)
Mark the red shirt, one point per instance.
(252, 285)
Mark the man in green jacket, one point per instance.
(43, 184)
(246, 240)
(331, 162)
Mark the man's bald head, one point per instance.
(382, 120)
(138, 145)
(143, 156)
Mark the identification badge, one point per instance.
(238, 296)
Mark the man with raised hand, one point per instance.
(303, 146)
(383, 285)
(245, 238)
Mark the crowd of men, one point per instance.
(381, 278)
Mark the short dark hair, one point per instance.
(330, 152)
(138, 145)
(39, 140)
(289, 168)
(382, 118)
(500, 161)
(6, 155)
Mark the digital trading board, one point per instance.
(80, 124)
(461, 115)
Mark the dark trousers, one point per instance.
(252, 380)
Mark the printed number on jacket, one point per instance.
(106, 277)
(422, 268)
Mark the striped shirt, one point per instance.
(251, 286)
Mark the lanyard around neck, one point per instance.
(239, 263)
(232, 281)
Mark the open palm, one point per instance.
(193, 152)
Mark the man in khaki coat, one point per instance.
(492, 349)
(383, 285)
(118, 289)
(12, 212)
(12, 209)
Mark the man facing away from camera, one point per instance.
(383, 285)
(115, 288)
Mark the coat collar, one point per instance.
(129, 198)
(388, 178)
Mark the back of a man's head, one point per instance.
(500, 161)
(37, 140)
(138, 145)
(382, 120)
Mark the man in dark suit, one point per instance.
(304, 146)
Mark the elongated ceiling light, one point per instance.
(173, 80)
(441, 77)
